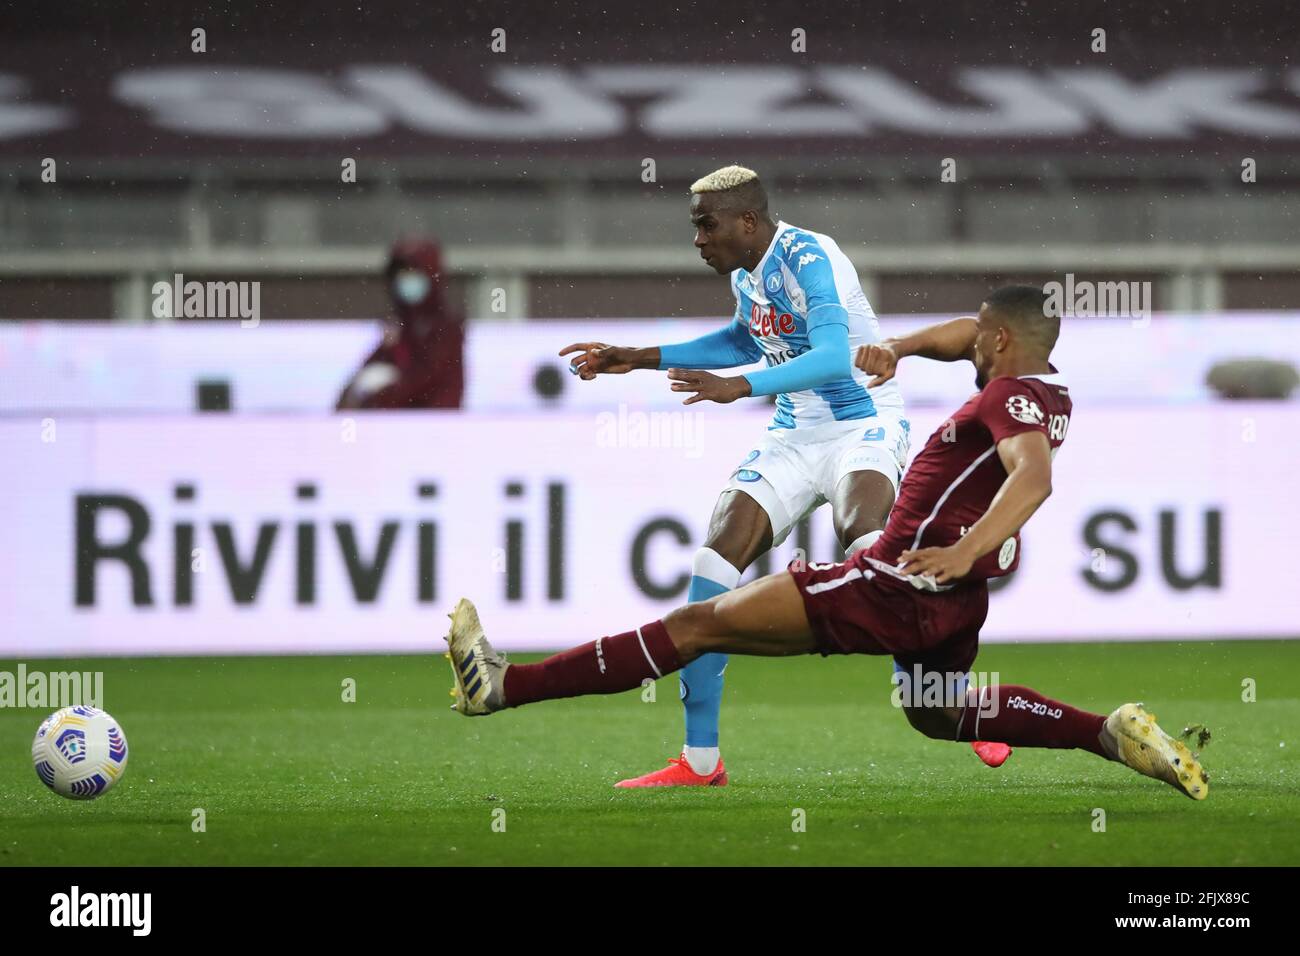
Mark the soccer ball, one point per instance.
(79, 752)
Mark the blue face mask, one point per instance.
(410, 287)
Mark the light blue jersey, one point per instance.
(800, 273)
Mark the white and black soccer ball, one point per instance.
(79, 752)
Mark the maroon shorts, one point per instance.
(856, 609)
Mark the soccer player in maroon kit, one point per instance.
(919, 593)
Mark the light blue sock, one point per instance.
(701, 679)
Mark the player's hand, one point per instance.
(598, 358)
(880, 360)
(707, 386)
(942, 564)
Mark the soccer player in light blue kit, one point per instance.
(832, 439)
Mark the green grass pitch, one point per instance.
(286, 772)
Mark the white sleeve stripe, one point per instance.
(916, 542)
(653, 666)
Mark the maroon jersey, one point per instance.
(951, 483)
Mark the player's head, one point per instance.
(414, 273)
(729, 213)
(1016, 326)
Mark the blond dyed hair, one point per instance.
(728, 177)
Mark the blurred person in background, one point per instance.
(420, 362)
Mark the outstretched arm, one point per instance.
(727, 347)
(946, 342)
(827, 360)
(1027, 458)
(597, 358)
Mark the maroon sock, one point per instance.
(1025, 718)
(607, 665)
